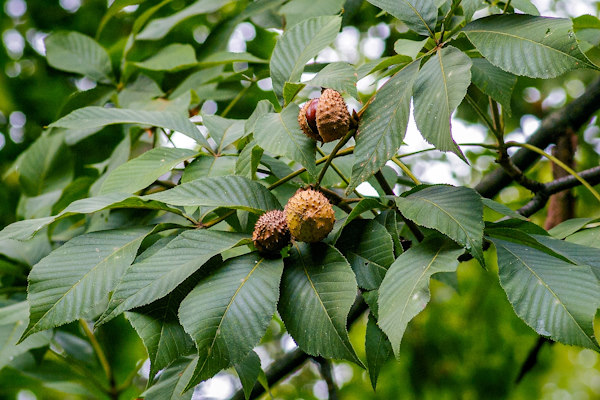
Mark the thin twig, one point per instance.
(406, 170)
(325, 367)
(101, 357)
(559, 163)
(538, 202)
(332, 155)
(388, 190)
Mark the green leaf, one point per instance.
(23, 230)
(501, 208)
(100, 116)
(440, 87)
(208, 165)
(290, 90)
(172, 381)
(75, 52)
(470, 6)
(297, 10)
(262, 107)
(576, 253)
(526, 6)
(404, 292)
(248, 160)
(418, 15)
(224, 131)
(159, 27)
(158, 326)
(46, 166)
(377, 348)
(555, 298)
(317, 290)
(339, 76)
(410, 48)
(538, 47)
(587, 237)
(369, 249)
(156, 276)
(281, 135)
(174, 57)
(227, 57)
(224, 191)
(493, 81)
(382, 127)
(238, 300)
(142, 171)
(76, 278)
(298, 45)
(248, 370)
(143, 89)
(13, 321)
(569, 227)
(454, 211)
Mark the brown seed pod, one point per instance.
(325, 119)
(309, 216)
(271, 233)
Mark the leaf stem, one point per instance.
(406, 170)
(233, 102)
(506, 6)
(486, 119)
(335, 150)
(557, 162)
(336, 169)
(98, 349)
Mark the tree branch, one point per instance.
(572, 116)
(538, 202)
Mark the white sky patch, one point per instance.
(366, 189)
(287, 342)
(36, 41)
(372, 47)
(15, 8)
(328, 55)
(265, 84)
(219, 387)
(365, 85)
(182, 141)
(14, 43)
(556, 98)
(529, 124)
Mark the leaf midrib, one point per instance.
(319, 297)
(454, 219)
(210, 348)
(76, 284)
(527, 40)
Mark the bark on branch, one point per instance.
(572, 116)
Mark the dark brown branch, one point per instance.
(572, 116)
(538, 202)
(390, 192)
(327, 373)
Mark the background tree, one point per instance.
(141, 141)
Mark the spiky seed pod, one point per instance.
(328, 114)
(309, 216)
(271, 233)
